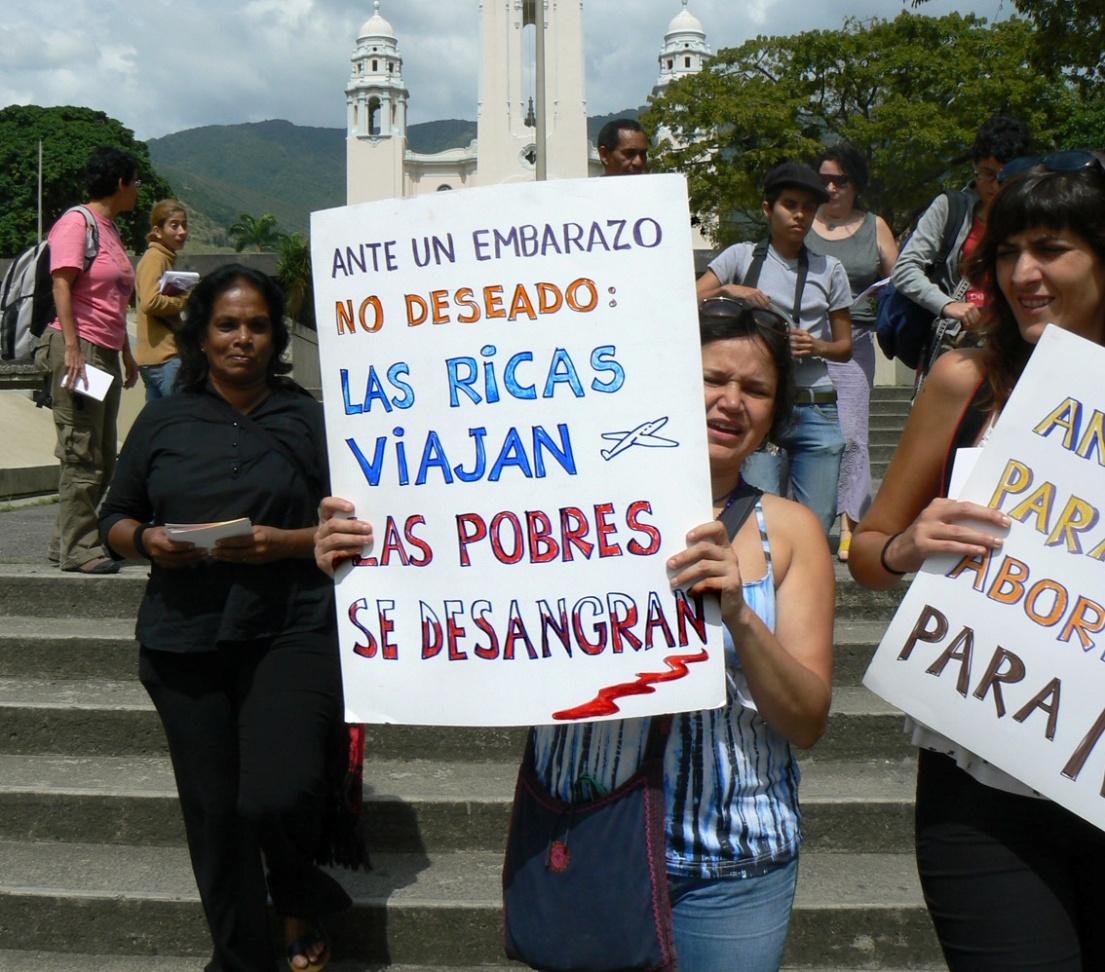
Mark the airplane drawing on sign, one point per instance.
(643, 435)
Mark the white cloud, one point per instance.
(164, 65)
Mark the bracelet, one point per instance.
(136, 540)
(882, 556)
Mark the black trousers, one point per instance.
(1011, 882)
(248, 727)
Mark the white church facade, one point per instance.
(379, 165)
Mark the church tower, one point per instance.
(505, 126)
(684, 50)
(376, 100)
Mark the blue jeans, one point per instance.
(159, 379)
(813, 446)
(737, 924)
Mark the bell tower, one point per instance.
(376, 122)
(505, 124)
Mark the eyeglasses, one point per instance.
(1073, 160)
(735, 308)
(840, 181)
(985, 175)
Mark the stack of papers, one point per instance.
(176, 282)
(206, 534)
(95, 384)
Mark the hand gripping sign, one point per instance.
(1005, 654)
(513, 394)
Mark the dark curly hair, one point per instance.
(1071, 201)
(850, 159)
(201, 304)
(105, 167)
(1001, 137)
(724, 318)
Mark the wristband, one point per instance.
(882, 556)
(136, 540)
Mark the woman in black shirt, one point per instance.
(237, 643)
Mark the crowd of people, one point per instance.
(238, 644)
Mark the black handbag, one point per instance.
(585, 885)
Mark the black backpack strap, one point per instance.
(742, 501)
(957, 212)
(752, 275)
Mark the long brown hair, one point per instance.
(1040, 198)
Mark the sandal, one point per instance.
(844, 547)
(100, 565)
(302, 945)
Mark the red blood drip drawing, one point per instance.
(603, 703)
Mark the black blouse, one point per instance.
(193, 458)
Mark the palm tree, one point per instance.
(293, 270)
(261, 233)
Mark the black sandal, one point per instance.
(301, 947)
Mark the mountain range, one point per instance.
(222, 171)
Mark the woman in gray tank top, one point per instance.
(865, 245)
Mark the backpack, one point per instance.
(901, 326)
(27, 292)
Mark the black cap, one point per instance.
(795, 174)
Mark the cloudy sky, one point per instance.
(161, 66)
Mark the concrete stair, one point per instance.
(94, 874)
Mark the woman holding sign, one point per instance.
(237, 645)
(1011, 880)
(730, 783)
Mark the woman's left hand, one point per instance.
(262, 546)
(710, 565)
(130, 369)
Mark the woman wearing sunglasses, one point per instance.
(864, 244)
(732, 825)
(1011, 880)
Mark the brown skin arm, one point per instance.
(887, 245)
(909, 504)
(708, 285)
(63, 280)
(789, 671)
(264, 545)
(804, 345)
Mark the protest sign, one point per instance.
(1004, 654)
(513, 390)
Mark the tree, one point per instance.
(1070, 34)
(293, 270)
(68, 136)
(890, 87)
(260, 232)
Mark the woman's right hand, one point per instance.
(74, 368)
(968, 314)
(168, 553)
(940, 529)
(339, 536)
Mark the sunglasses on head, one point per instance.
(1073, 160)
(735, 308)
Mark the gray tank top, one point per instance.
(860, 255)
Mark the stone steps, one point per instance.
(413, 805)
(142, 900)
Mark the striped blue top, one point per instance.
(730, 782)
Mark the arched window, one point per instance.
(671, 63)
(686, 62)
(375, 66)
(373, 116)
(444, 188)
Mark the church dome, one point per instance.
(685, 22)
(376, 26)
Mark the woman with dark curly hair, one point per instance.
(238, 650)
(1011, 880)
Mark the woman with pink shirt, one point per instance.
(90, 329)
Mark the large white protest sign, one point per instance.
(513, 391)
(1005, 654)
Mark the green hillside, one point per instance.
(221, 171)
